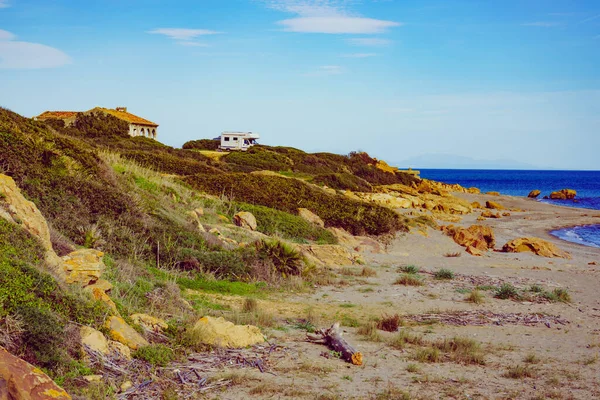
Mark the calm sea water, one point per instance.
(520, 183)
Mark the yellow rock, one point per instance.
(311, 217)
(83, 266)
(17, 209)
(120, 331)
(119, 349)
(222, 333)
(328, 255)
(99, 294)
(93, 378)
(149, 322)
(94, 339)
(493, 205)
(20, 380)
(125, 386)
(536, 246)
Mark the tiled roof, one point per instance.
(56, 115)
(125, 116)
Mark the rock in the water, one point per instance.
(311, 217)
(536, 246)
(20, 380)
(565, 194)
(493, 205)
(534, 194)
(17, 209)
(149, 322)
(246, 220)
(120, 331)
(83, 266)
(222, 333)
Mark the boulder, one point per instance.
(473, 190)
(476, 236)
(149, 322)
(246, 220)
(20, 380)
(534, 194)
(94, 339)
(311, 217)
(489, 214)
(84, 266)
(329, 255)
(17, 209)
(493, 205)
(97, 293)
(222, 333)
(493, 193)
(119, 350)
(474, 251)
(476, 204)
(565, 194)
(120, 331)
(534, 245)
(356, 243)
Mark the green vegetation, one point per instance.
(343, 181)
(409, 280)
(202, 144)
(475, 297)
(156, 354)
(409, 269)
(443, 274)
(288, 195)
(507, 291)
(519, 372)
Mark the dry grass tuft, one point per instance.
(409, 280)
(475, 296)
(461, 350)
(370, 332)
(403, 338)
(428, 354)
(368, 272)
(519, 372)
(389, 323)
(250, 305)
(457, 254)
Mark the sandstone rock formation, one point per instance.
(83, 267)
(17, 209)
(329, 255)
(493, 193)
(120, 331)
(493, 205)
(222, 333)
(20, 380)
(246, 220)
(149, 322)
(536, 246)
(477, 237)
(534, 194)
(565, 194)
(356, 243)
(311, 217)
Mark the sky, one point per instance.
(405, 80)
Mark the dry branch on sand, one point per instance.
(332, 337)
(479, 318)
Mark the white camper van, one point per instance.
(238, 140)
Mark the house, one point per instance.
(238, 140)
(138, 126)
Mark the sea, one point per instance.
(520, 183)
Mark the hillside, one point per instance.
(162, 220)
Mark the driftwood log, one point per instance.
(332, 337)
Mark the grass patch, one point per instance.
(409, 280)
(413, 368)
(369, 331)
(158, 355)
(531, 358)
(409, 269)
(519, 372)
(403, 338)
(461, 350)
(443, 274)
(428, 355)
(389, 323)
(507, 291)
(475, 297)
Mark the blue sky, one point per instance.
(512, 79)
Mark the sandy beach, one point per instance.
(531, 348)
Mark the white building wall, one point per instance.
(143, 130)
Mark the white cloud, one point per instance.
(192, 44)
(370, 42)
(542, 24)
(6, 35)
(326, 16)
(4, 4)
(359, 55)
(182, 33)
(336, 25)
(25, 55)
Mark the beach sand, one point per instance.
(555, 355)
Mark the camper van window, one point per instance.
(235, 139)
(246, 141)
(226, 139)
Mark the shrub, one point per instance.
(519, 372)
(343, 181)
(461, 350)
(202, 144)
(409, 269)
(289, 194)
(443, 274)
(259, 158)
(286, 259)
(475, 297)
(369, 330)
(170, 163)
(156, 354)
(97, 124)
(43, 335)
(279, 223)
(389, 323)
(428, 354)
(409, 280)
(562, 295)
(507, 291)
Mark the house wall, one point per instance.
(143, 130)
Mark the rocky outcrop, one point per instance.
(534, 245)
(356, 243)
(149, 322)
(329, 255)
(565, 194)
(311, 217)
(83, 267)
(493, 193)
(493, 205)
(20, 380)
(17, 209)
(477, 237)
(245, 220)
(222, 333)
(534, 194)
(120, 331)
